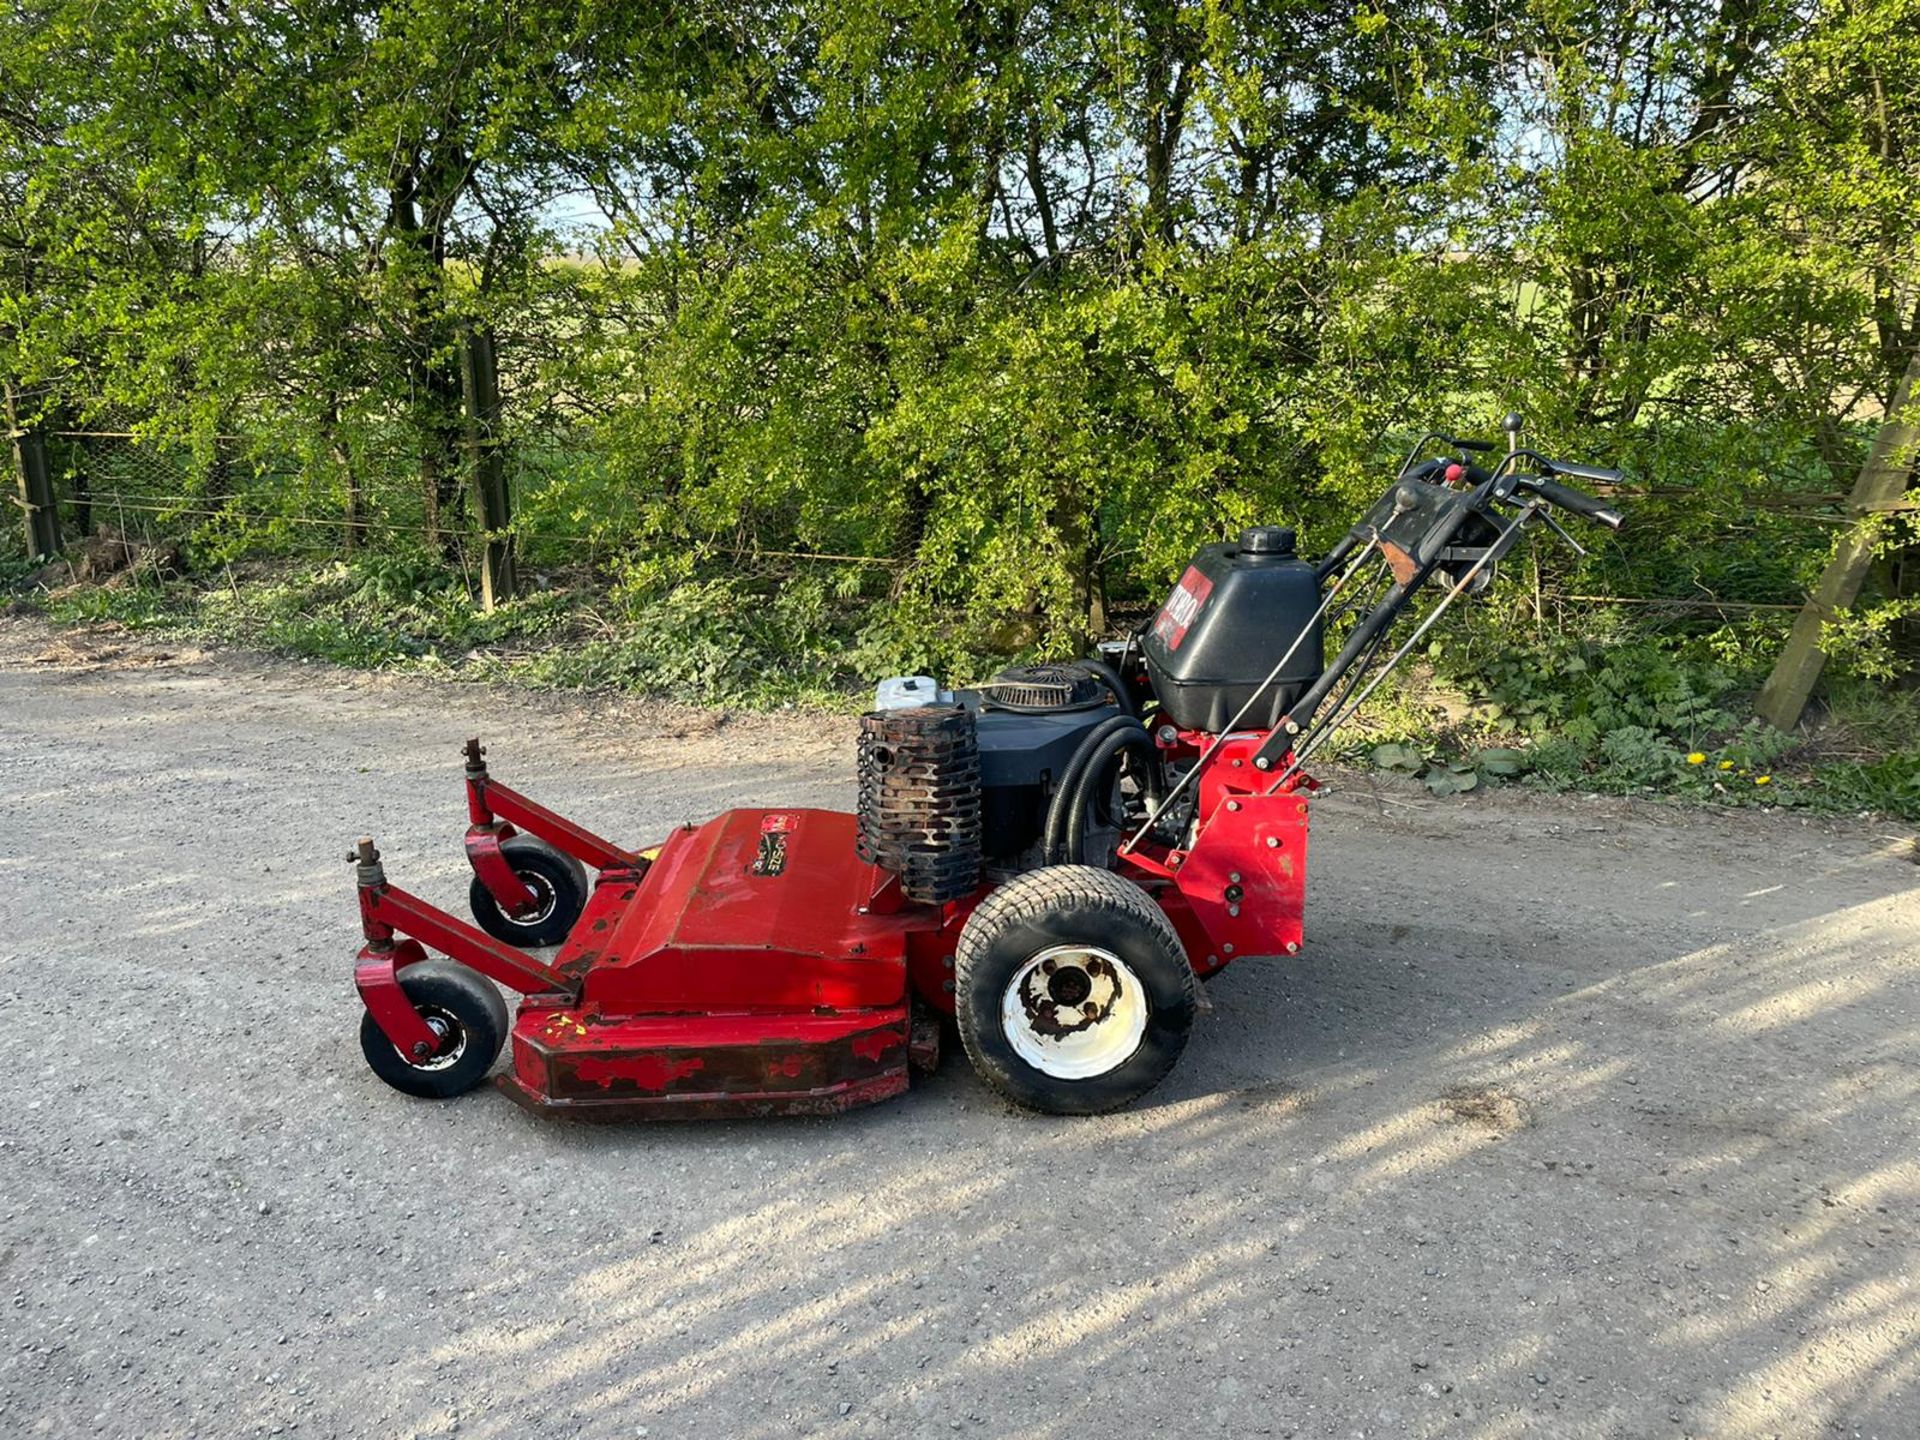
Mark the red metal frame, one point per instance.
(489, 803)
(1240, 888)
(509, 891)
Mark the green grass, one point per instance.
(1623, 714)
(715, 642)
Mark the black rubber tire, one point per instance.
(475, 1021)
(547, 872)
(1071, 904)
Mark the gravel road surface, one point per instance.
(1574, 1118)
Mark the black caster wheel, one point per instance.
(560, 883)
(461, 1008)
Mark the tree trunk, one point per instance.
(432, 368)
(354, 530)
(38, 508)
(1882, 480)
(482, 375)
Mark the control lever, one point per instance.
(1547, 515)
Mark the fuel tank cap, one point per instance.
(1267, 540)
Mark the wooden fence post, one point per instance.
(1883, 479)
(36, 499)
(481, 374)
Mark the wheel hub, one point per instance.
(449, 1040)
(544, 899)
(1074, 1012)
(1070, 986)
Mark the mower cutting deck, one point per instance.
(1054, 860)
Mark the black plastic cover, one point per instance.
(1230, 618)
(1021, 758)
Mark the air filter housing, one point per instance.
(919, 811)
(1037, 688)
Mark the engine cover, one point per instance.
(1022, 754)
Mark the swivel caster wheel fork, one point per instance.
(432, 1027)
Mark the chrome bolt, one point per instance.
(1273, 842)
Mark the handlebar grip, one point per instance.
(1599, 474)
(1477, 447)
(1577, 501)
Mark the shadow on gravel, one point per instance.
(1449, 1183)
(1569, 1122)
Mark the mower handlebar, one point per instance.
(1599, 474)
(1577, 501)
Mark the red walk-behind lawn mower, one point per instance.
(1053, 859)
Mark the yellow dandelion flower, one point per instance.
(1763, 779)
(1726, 764)
(1696, 758)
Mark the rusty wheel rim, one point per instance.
(543, 891)
(1074, 1012)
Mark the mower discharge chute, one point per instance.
(1055, 859)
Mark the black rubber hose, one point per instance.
(1093, 776)
(1059, 808)
(1111, 678)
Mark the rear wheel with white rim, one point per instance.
(1073, 993)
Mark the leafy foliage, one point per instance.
(1006, 306)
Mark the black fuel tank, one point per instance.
(1230, 618)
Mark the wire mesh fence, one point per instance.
(232, 496)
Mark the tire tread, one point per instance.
(1026, 899)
